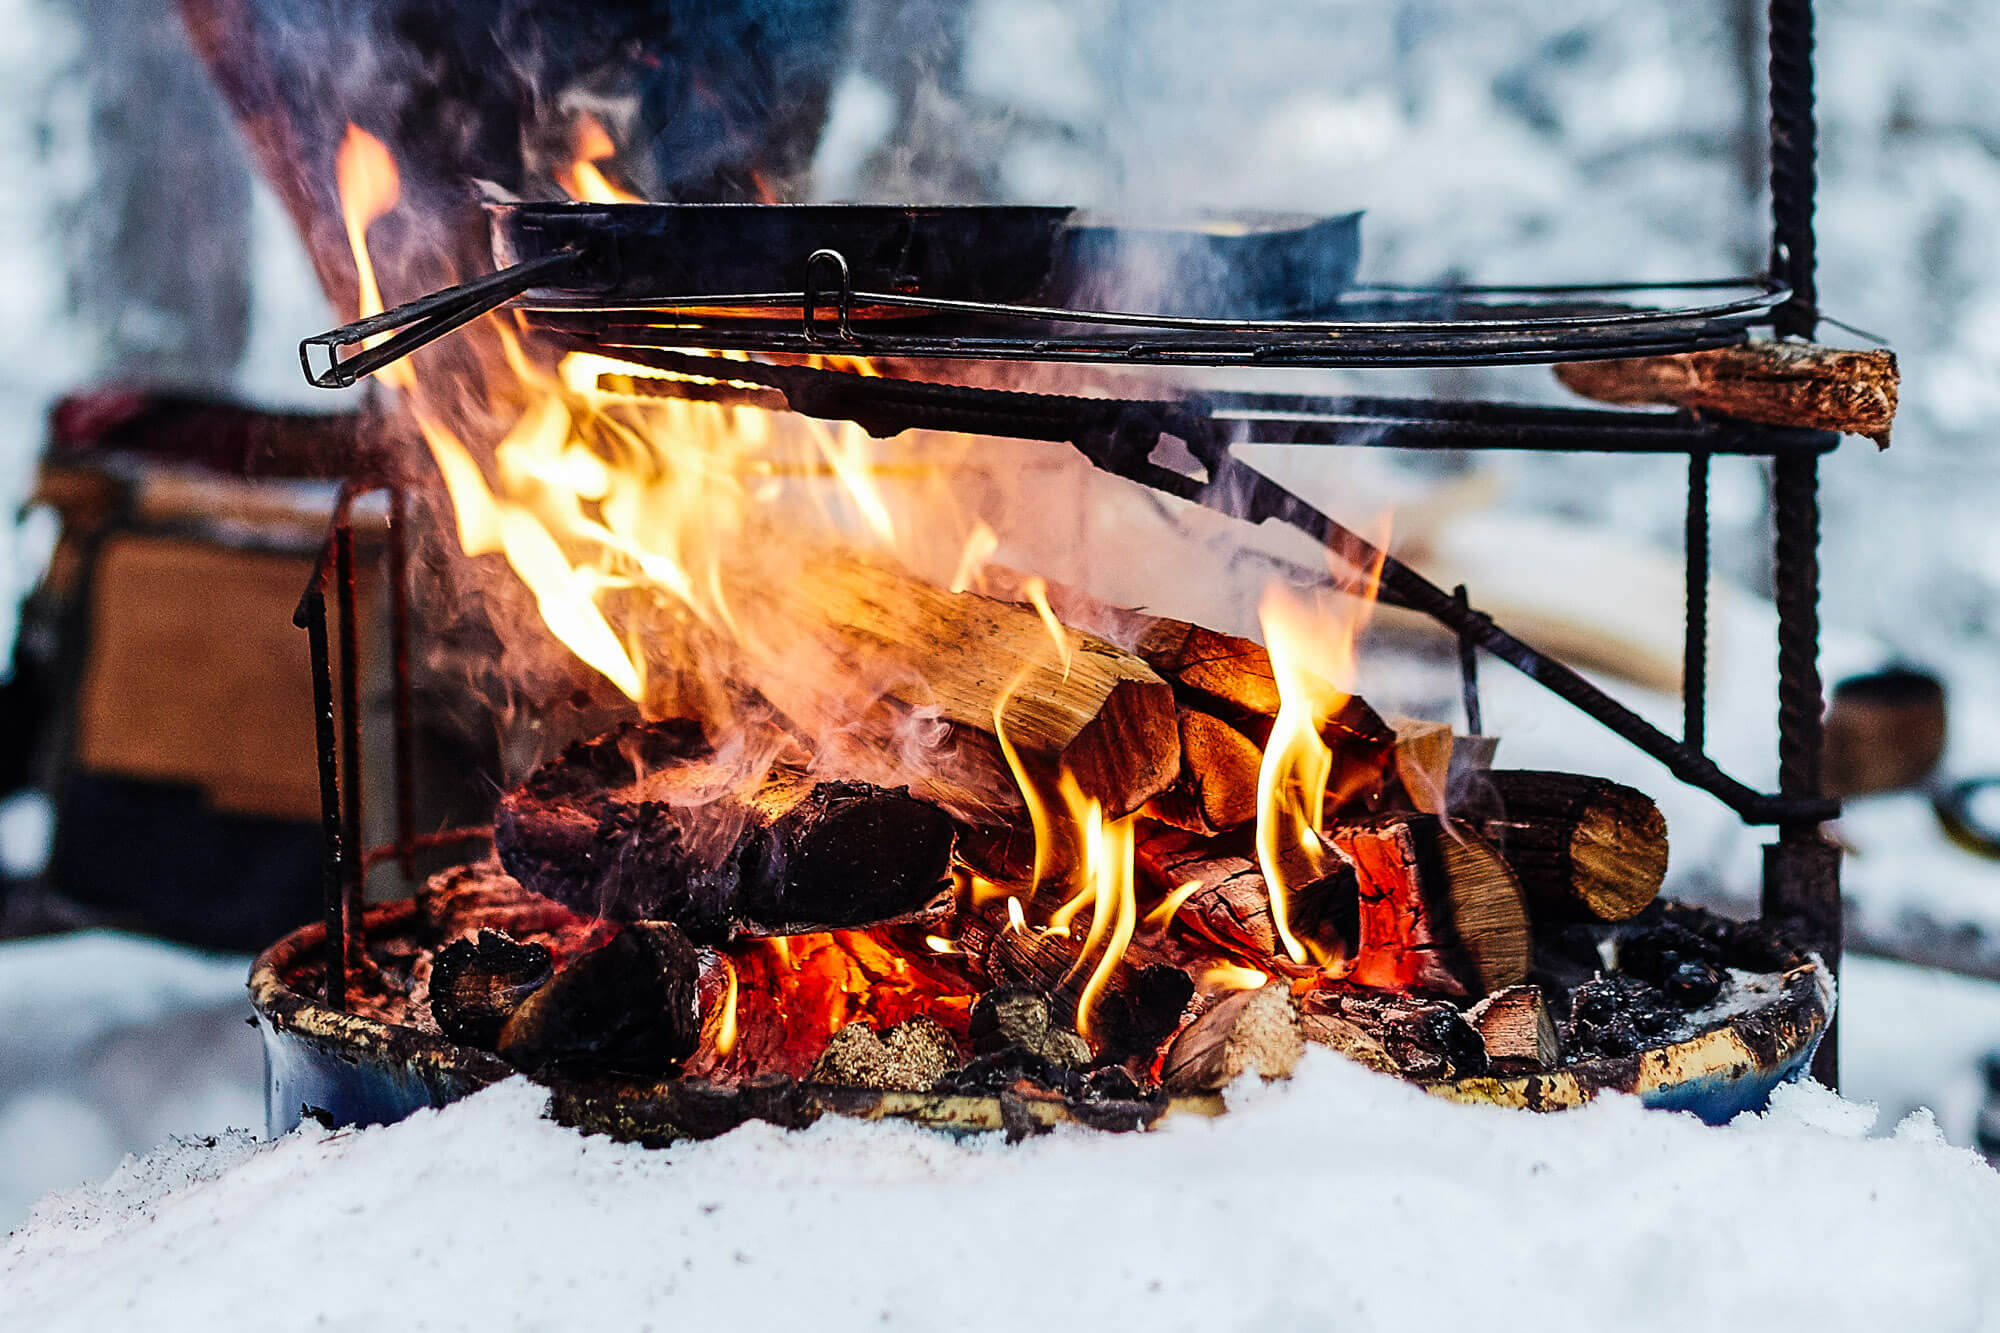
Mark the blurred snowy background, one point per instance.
(1559, 141)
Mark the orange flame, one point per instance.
(1312, 655)
(369, 188)
(582, 180)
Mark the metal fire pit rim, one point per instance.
(376, 1072)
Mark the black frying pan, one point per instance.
(567, 255)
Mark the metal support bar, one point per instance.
(1694, 647)
(1794, 166)
(311, 617)
(350, 740)
(1468, 669)
(1802, 869)
(404, 757)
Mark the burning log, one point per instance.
(1253, 1030)
(1143, 1001)
(1090, 709)
(600, 830)
(1230, 903)
(1780, 384)
(628, 1008)
(1227, 674)
(1582, 846)
(1217, 787)
(1517, 1028)
(1440, 912)
(475, 987)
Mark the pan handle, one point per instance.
(422, 321)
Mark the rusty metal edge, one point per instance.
(1769, 1042)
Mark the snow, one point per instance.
(111, 1044)
(1338, 1199)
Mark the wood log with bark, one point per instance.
(627, 825)
(1584, 847)
(1778, 383)
(476, 985)
(1440, 912)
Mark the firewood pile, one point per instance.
(645, 920)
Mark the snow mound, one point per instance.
(1340, 1199)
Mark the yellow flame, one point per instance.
(1017, 920)
(369, 188)
(1038, 594)
(725, 1032)
(1232, 976)
(582, 180)
(980, 544)
(939, 944)
(1312, 656)
(1163, 914)
(1038, 812)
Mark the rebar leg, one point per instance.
(1802, 869)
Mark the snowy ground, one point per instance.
(1342, 1199)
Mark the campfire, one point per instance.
(866, 810)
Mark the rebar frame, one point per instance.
(1801, 872)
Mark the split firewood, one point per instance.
(629, 1007)
(626, 826)
(1778, 383)
(1092, 709)
(1230, 903)
(1224, 671)
(1439, 911)
(1250, 1031)
(1349, 1039)
(475, 986)
(1583, 846)
(1423, 762)
(1518, 1028)
(1217, 787)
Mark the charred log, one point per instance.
(628, 1007)
(1230, 904)
(1426, 1040)
(475, 986)
(597, 830)
(1582, 846)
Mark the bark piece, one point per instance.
(1780, 384)
(1582, 846)
(1217, 787)
(1518, 1028)
(608, 828)
(628, 1007)
(1252, 1030)
(1439, 910)
(475, 986)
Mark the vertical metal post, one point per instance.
(1694, 648)
(311, 617)
(1794, 164)
(399, 651)
(350, 741)
(1468, 670)
(1802, 869)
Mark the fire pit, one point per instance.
(872, 827)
